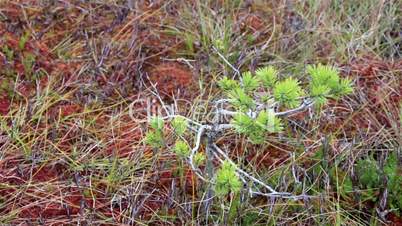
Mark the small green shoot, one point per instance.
(227, 180)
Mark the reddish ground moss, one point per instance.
(171, 78)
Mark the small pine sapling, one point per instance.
(255, 107)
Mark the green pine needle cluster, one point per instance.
(227, 84)
(242, 122)
(268, 121)
(257, 129)
(267, 75)
(320, 94)
(157, 123)
(326, 83)
(199, 159)
(181, 148)
(288, 92)
(249, 82)
(227, 180)
(179, 125)
(241, 100)
(155, 137)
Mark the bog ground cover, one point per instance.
(199, 112)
